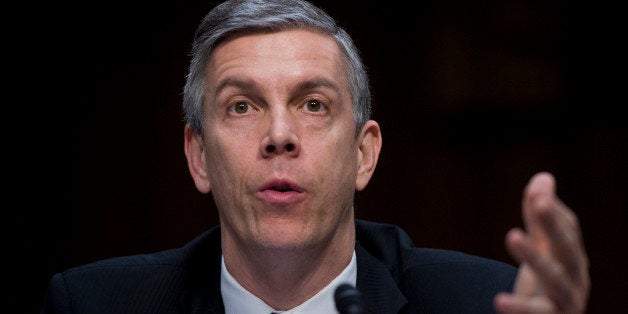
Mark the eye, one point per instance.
(240, 107)
(314, 105)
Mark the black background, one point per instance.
(473, 98)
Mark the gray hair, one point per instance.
(254, 16)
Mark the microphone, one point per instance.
(349, 300)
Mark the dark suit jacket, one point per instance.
(393, 276)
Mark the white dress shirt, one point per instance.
(238, 300)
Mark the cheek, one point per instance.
(227, 162)
(227, 171)
(340, 162)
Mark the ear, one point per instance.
(195, 154)
(369, 146)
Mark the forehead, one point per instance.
(290, 41)
(278, 55)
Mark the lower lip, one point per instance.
(277, 197)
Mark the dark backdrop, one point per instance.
(473, 98)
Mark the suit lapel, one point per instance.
(380, 292)
(375, 282)
(202, 293)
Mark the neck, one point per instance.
(285, 278)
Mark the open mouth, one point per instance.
(281, 191)
(282, 188)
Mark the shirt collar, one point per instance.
(239, 300)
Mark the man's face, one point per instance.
(279, 148)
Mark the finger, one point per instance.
(555, 226)
(540, 201)
(557, 284)
(539, 187)
(511, 303)
(526, 282)
(564, 239)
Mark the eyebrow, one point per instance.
(231, 82)
(302, 86)
(318, 82)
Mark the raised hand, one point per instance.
(554, 267)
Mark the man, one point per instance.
(277, 108)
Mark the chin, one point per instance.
(284, 237)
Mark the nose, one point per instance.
(281, 137)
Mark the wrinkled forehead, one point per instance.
(253, 32)
(278, 55)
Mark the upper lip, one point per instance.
(281, 185)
